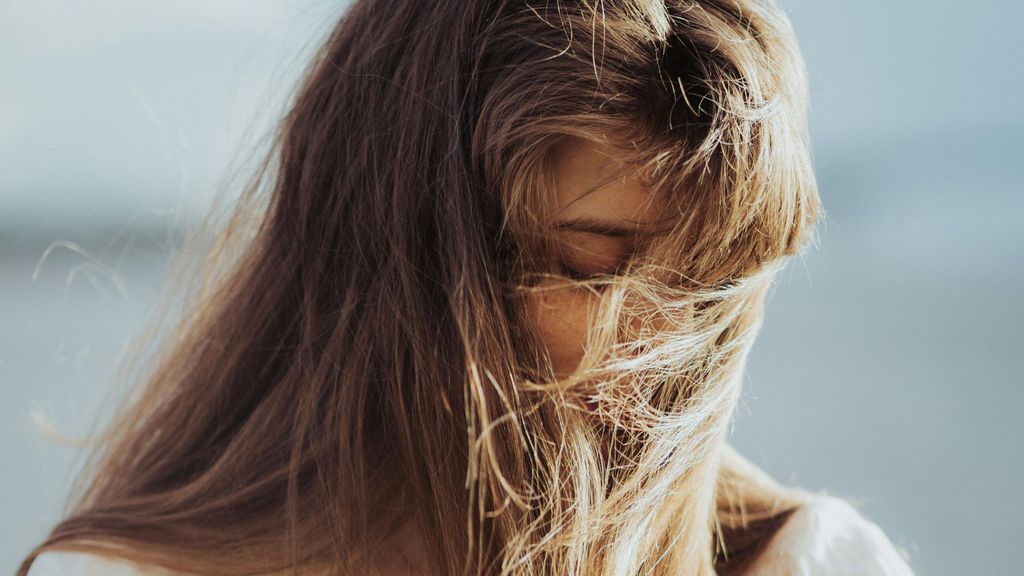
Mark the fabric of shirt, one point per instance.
(829, 536)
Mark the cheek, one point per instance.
(561, 319)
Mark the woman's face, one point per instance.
(603, 210)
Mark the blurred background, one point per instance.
(889, 368)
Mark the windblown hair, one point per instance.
(364, 361)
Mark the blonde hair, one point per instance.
(367, 360)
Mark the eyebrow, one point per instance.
(606, 228)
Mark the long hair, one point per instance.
(363, 361)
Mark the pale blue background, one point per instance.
(889, 369)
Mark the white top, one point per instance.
(825, 536)
(828, 536)
(59, 563)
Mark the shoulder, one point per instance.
(62, 563)
(827, 535)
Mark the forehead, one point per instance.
(594, 182)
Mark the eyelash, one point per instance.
(574, 274)
(579, 276)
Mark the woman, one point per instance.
(491, 315)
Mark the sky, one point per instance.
(116, 110)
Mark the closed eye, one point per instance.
(578, 275)
(588, 256)
(574, 273)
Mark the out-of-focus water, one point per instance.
(889, 369)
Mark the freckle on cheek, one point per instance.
(561, 319)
